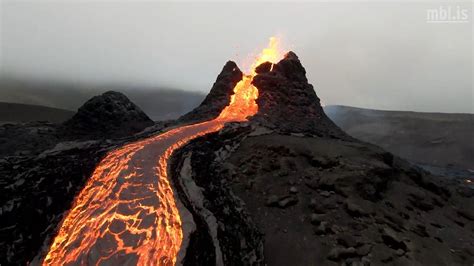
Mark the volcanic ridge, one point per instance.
(289, 187)
(285, 187)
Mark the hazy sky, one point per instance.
(367, 54)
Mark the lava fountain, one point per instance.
(127, 212)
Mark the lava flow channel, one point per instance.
(127, 212)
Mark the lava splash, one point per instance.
(127, 212)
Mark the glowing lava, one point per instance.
(127, 213)
(242, 102)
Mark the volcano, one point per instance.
(288, 187)
(255, 175)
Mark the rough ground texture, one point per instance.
(320, 197)
(109, 115)
(237, 238)
(287, 188)
(218, 97)
(41, 171)
(321, 201)
(35, 193)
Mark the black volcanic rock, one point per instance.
(50, 166)
(288, 103)
(237, 237)
(36, 191)
(218, 97)
(110, 115)
(352, 203)
(339, 201)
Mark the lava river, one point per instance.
(127, 213)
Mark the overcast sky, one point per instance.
(366, 54)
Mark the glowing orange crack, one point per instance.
(126, 213)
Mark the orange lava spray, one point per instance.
(127, 213)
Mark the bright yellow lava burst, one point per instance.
(127, 210)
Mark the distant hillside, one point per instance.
(157, 103)
(15, 112)
(438, 139)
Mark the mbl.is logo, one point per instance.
(447, 14)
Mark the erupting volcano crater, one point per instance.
(256, 175)
(128, 213)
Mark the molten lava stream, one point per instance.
(127, 213)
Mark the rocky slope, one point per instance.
(109, 115)
(326, 202)
(288, 103)
(218, 97)
(43, 166)
(320, 197)
(226, 233)
(286, 188)
(36, 191)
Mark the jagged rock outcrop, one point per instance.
(218, 97)
(288, 103)
(110, 115)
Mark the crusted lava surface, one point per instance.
(288, 187)
(43, 167)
